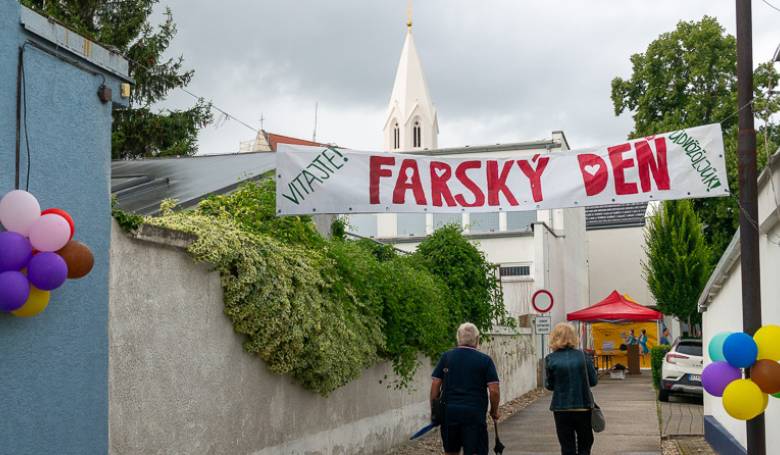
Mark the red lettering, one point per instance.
(375, 172)
(647, 164)
(594, 173)
(619, 166)
(534, 175)
(497, 183)
(460, 173)
(408, 179)
(440, 174)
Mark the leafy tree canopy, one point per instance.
(678, 260)
(139, 130)
(687, 78)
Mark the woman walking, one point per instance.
(570, 376)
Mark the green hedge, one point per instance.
(323, 310)
(657, 354)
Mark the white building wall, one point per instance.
(724, 311)
(615, 263)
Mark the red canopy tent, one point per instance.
(615, 308)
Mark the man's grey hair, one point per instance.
(468, 335)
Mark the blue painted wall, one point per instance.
(54, 367)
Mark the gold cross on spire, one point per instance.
(409, 15)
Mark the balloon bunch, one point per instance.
(744, 399)
(37, 254)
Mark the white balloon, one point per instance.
(18, 211)
(49, 232)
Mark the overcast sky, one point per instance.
(498, 71)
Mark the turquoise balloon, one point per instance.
(716, 347)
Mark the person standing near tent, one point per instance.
(570, 375)
(467, 378)
(643, 342)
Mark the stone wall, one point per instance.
(180, 382)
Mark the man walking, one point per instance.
(466, 377)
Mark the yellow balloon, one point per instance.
(35, 304)
(743, 399)
(768, 340)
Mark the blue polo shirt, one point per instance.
(469, 373)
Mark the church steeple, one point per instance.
(411, 122)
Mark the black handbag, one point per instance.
(439, 404)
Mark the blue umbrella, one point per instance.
(424, 430)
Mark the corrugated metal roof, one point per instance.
(615, 216)
(140, 185)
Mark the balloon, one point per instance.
(47, 271)
(18, 211)
(15, 251)
(65, 215)
(78, 257)
(717, 375)
(14, 290)
(716, 346)
(743, 399)
(49, 233)
(35, 304)
(766, 374)
(776, 395)
(768, 340)
(740, 350)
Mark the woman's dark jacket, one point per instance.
(566, 377)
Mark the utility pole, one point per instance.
(748, 200)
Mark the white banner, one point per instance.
(679, 165)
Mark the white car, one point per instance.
(681, 371)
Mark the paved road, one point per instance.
(630, 410)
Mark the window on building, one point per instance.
(520, 221)
(416, 134)
(480, 223)
(515, 271)
(396, 136)
(364, 225)
(410, 225)
(443, 219)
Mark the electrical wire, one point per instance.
(771, 5)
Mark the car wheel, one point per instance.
(663, 395)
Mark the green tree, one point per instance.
(687, 78)
(678, 260)
(139, 130)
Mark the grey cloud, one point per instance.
(498, 70)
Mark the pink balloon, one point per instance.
(18, 211)
(49, 233)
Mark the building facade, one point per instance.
(721, 306)
(55, 140)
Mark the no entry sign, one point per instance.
(682, 164)
(542, 301)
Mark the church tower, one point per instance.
(411, 122)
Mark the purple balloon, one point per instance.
(717, 375)
(47, 271)
(14, 290)
(15, 251)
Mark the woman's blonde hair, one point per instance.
(563, 336)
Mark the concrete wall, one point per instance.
(180, 381)
(54, 367)
(610, 271)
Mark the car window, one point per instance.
(689, 348)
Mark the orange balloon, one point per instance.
(766, 374)
(78, 257)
